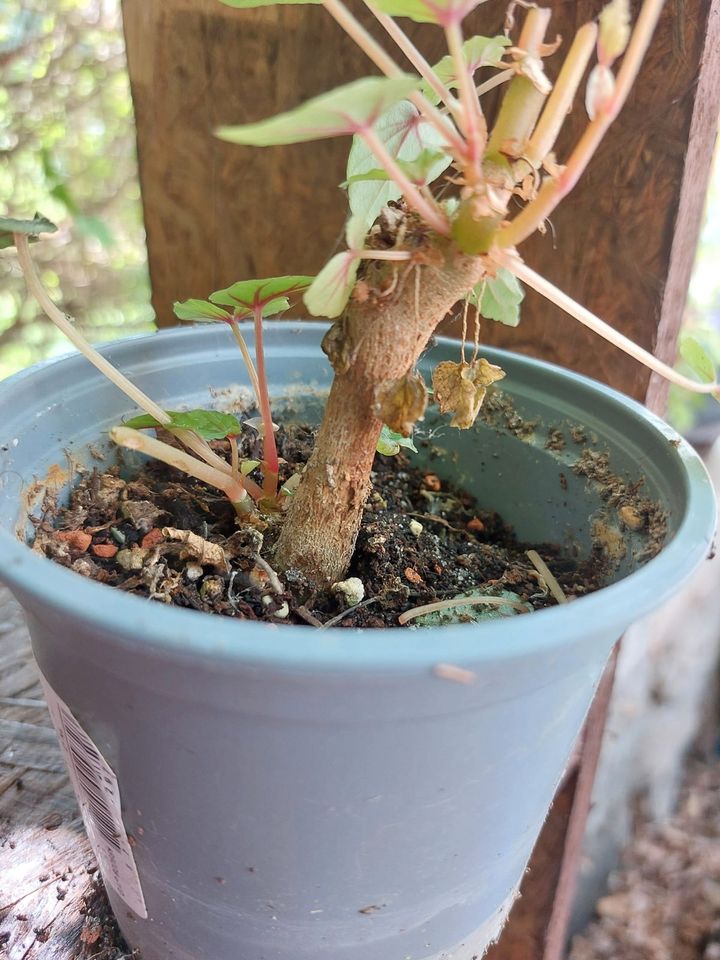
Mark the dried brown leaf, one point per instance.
(401, 403)
(460, 388)
(205, 552)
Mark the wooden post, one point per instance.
(663, 224)
(622, 243)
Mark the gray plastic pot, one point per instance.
(297, 794)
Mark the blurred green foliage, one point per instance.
(67, 148)
(702, 317)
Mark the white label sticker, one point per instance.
(96, 788)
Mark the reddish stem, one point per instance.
(270, 456)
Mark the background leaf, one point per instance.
(697, 358)
(341, 111)
(406, 135)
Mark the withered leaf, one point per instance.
(460, 388)
(198, 548)
(401, 403)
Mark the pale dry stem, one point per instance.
(152, 447)
(552, 293)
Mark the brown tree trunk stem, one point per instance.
(373, 343)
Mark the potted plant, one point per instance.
(277, 791)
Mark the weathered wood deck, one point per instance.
(52, 906)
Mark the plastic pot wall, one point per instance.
(297, 794)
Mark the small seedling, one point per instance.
(431, 188)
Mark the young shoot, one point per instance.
(256, 299)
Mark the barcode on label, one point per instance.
(97, 792)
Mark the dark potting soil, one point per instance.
(164, 536)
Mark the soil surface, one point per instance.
(164, 536)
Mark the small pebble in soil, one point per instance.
(351, 590)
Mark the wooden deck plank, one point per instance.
(52, 906)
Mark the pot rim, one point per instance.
(140, 623)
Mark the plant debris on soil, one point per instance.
(162, 535)
(664, 903)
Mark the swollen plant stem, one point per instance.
(415, 57)
(140, 399)
(594, 323)
(270, 456)
(473, 121)
(385, 62)
(430, 212)
(135, 440)
(554, 190)
(561, 99)
(252, 372)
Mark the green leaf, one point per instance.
(209, 424)
(331, 288)
(415, 9)
(247, 466)
(248, 4)
(390, 442)
(697, 358)
(342, 111)
(272, 294)
(10, 225)
(376, 174)
(291, 484)
(355, 232)
(270, 309)
(478, 52)
(418, 170)
(406, 135)
(427, 11)
(199, 311)
(499, 298)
